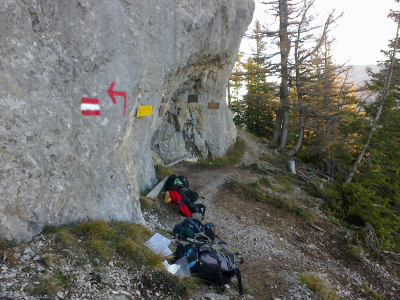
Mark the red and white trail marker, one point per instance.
(90, 107)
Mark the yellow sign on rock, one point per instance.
(144, 111)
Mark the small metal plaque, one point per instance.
(213, 105)
(193, 99)
(161, 112)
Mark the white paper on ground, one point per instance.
(159, 245)
(171, 268)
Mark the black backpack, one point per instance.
(213, 262)
(193, 230)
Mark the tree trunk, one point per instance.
(282, 128)
(278, 124)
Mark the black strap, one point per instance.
(239, 276)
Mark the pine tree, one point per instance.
(260, 108)
(295, 30)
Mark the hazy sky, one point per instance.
(360, 34)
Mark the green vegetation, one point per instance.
(48, 287)
(102, 240)
(50, 259)
(27, 269)
(146, 203)
(356, 252)
(66, 238)
(62, 279)
(252, 191)
(161, 172)
(372, 293)
(315, 115)
(232, 157)
(319, 286)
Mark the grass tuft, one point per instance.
(97, 248)
(356, 252)
(145, 202)
(49, 229)
(232, 157)
(319, 286)
(66, 237)
(50, 259)
(136, 232)
(154, 261)
(372, 293)
(99, 229)
(47, 288)
(252, 191)
(127, 247)
(161, 172)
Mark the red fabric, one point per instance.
(177, 198)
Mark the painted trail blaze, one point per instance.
(90, 107)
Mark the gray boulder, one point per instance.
(73, 75)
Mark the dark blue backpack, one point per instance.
(194, 230)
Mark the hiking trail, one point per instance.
(277, 245)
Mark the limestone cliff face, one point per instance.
(72, 77)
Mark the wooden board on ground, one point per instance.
(161, 112)
(178, 160)
(157, 189)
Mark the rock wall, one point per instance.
(72, 77)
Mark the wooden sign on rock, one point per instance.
(213, 105)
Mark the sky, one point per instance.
(360, 34)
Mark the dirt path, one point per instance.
(276, 244)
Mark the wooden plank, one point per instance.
(193, 99)
(178, 160)
(161, 112)
(213, 105)
(157, 189)
(144, 111)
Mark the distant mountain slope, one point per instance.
(360, 75)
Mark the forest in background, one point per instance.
(290, 91)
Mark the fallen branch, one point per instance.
(372, 242)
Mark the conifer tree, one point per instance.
(259, 100)
(295, 24)
(382, 96)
